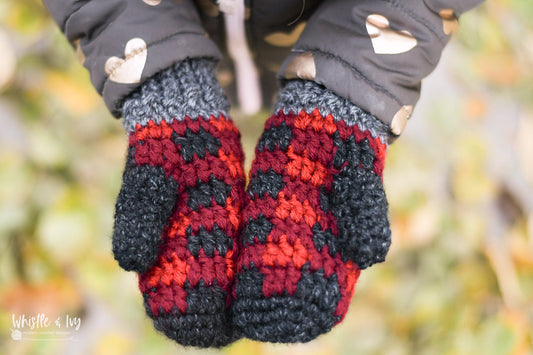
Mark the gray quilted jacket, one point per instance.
(373, 52)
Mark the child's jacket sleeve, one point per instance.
(122, 43)
(375, 52)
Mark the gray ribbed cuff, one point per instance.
(188, 88)
(298, 95)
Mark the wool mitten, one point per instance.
(315, 215)
(179, 208)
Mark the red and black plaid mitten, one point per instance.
(178, 213)
(315, 215)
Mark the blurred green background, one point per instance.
(459, 276)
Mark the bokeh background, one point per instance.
(459, 276)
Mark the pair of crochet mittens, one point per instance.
(276, 263)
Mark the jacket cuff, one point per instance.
(123, 43)
(375, 52)
(159, 56)
(350, 83)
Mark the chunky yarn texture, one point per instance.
(315, 215)
(178, 214)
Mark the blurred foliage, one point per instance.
(459, 277)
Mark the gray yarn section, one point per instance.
(298, 95)
(188, 88)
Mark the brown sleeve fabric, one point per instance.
(375, 52)
(123, 43)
